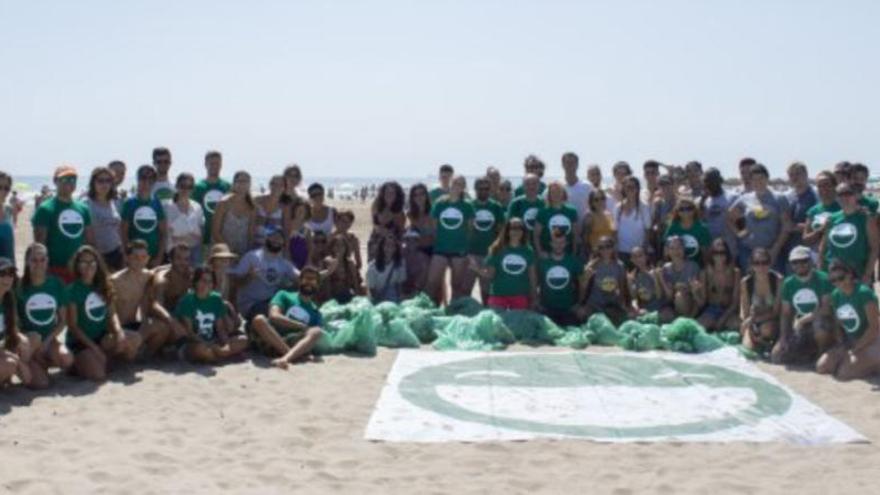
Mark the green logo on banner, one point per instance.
(530, 372)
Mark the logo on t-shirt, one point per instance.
(848, 318)
(820, 219)
(271, 275)
(71, 223)
(560, 222)
(691, 246)
(145, 219)
(529, 217)
(95, 307)
(40, 309)
(805, 301)
(205, 324)
(843, 235)
(299, 314)
(513, 264)
(212, 197)
(451, 218)
(557, 277)
(608, 284)
(484, 220)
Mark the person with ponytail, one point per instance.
(14, 348)
(94, 333)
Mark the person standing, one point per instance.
(210, 190)
(162, 189)
(235, 217)
(185, 218)
(851, 236)
(62, 223)
(117, 167)
(556, 216)
(801, 198)
(528, 204)
(632, 218)
(713, 208)
(144, 218)
(445, 176)
(577, 191)
(7, 219)
(487, 223)
(534, 166)
(452, 215)
(105, 217)
(766, 220)
(562, 284)
(820, 213)
(510, 268)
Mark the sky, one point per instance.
(395, 88)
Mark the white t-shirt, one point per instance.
(186, 226)
(631, 228)
(578, 196)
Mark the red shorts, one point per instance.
(508, 302)
(63, 273)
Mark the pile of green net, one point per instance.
(465, 324)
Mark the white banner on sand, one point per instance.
(610, 397)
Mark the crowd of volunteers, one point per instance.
(201, 270)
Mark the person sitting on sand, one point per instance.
(605, 279)
(261, 273)
(171, 282)
(15, 349)
(858, 323)
(562, 282)
(760, 298)
(680, 279)
(386, 273)
(41, 302)
(644, 288)
(293, 325)
(340, 280)
(805, 327)
(201, 312)
(135, 308)
(93, 331)
(721, 280)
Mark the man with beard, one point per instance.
(171, 282)
(261, 273)
(805, 326)
(293, 325)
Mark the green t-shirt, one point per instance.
(65, 224)
(521, 207)
(847, 239)
(819, 214)
(870, 203)
(2, 324)
(550, 218)
(203, 313)
(511, 271)
(293, 307)
(207, 195)
(488, 220)
(559, 281)
(694, 239)
(91, 311)
(436, 193)
(38, 306)
(805, 296)
(850, 310)
(521, 190)
(453, 219)
(143, 217)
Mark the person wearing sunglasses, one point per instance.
(819, 214)
(505, 193)
(686, 224)
(510, 269)
(763, 218)
(7, 218)
(760, 302)
(161, 189)
(209, 191)
(598, 223)
(15, 348)
(562, 283)
(292, 179)
(144, 218)
(106, 220)
(851, 235)
(453, 214)
(185, 219)
(682, 285)
(606, 285)
(721, 279)
(857, 355)
(555, 215)
(805, 327)
(63, 224)
(41, 299)
(527, 205)
(486, 224)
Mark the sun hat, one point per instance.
(800, 253)
(64, 171)
(222, 251)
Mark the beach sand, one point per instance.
(247, 428)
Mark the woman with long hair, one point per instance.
(186, 220)
(41, 298)
(15, 349)
(510, 269)
(681, 282)
(760, 301)
(686, 224)
(605, 278)
(94, 334)
(292, 179)
(235, 216)
(299, 237)
(858, 327)
(721, 280)
(387, 272)
(7, 219)
(644, 287)
(102, 201)
(555, 216)
(597, 223)
(418, 240)
(270, 211)
(342, 281)
(388, 215)
(452, 215)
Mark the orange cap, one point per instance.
(65, 171)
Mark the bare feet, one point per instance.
(281, 363)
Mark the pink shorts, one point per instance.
(508, 302)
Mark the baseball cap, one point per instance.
(800, 253)
(64, 171)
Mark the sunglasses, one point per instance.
(104, 180)
(87, 262)
(68, 179)
(9, 272)
(800, 262)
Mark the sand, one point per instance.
(247, 428)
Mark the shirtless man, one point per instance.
(170, 282)
(133, 301)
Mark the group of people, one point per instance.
(202, 270)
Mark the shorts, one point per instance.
(260, 308)
(114, 260)
(508, 302)
(290, 338)
(562, 317)
(715, 311)
(132, 326)
(75, 346)
(451, 256)
(63, 273)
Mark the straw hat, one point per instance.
(221, 250)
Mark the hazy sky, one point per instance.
(368, 88)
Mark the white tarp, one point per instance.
(615, 397)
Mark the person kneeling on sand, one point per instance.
(202, 313)
(15, 349)
(93, 331)
(293, 326)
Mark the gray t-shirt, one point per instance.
(105, 224)
(714, 210)
(605, 287)
(673, 277)
(271, 273)
(763, 215)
